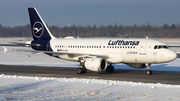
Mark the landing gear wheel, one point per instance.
(149, 72)
(110, 69)
(79, 70)
(84, 70)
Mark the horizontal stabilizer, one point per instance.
(5, 49)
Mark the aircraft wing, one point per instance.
(59, 53)
(19, 44)
(178, 53)
(77, 54)
(24, 44)
(174, 46)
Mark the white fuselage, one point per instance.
(118, 50)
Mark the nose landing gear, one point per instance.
(148, 72)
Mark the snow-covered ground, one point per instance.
(14, 87)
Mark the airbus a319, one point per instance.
(97, 54)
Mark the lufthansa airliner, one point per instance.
(97, 54)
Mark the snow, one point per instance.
(13, 87)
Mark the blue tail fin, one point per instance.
(38, 27)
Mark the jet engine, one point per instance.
(95, 64)
(137, 65)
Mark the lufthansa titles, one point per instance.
(122, 42)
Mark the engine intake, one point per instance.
(95, 64)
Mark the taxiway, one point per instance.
(164, 77)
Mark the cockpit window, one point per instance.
(165, 47)
(155, 47)
(160, 47)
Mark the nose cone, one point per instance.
(171, 55)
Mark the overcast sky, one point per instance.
(90, 12)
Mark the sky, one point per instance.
(90, 12)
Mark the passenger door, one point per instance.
(143, 48)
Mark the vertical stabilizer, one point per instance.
(38, 27)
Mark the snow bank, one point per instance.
(88, 81)
(13, 87)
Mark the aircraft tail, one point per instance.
(38, 27)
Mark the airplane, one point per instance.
(96, 54)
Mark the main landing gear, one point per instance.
(81, 70)
(110, 68)
(148, 72)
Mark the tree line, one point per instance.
(133, 31)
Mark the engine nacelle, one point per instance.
(95, 64)
(137, 65)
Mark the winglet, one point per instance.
(5, 49)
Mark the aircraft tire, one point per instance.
(84, 70)
(149, 72)
(110, 69)
(80, 70)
